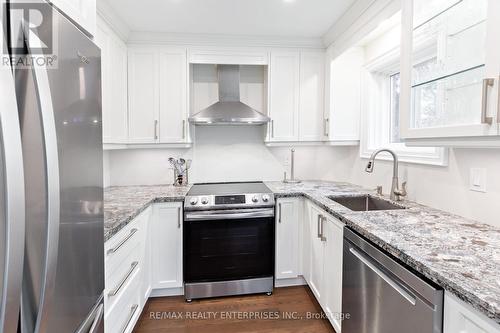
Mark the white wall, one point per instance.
(445, 188)
(220, 153)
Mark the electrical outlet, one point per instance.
(478, 179)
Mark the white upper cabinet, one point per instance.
(344, 96)
(450, 69)
(157, 94)
(143, 93)
(297, 96)
(82, 12)
(173, 95)
(114, 84)
(312, 125)
(287, 238)
(284, 96)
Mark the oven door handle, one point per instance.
(229, 214)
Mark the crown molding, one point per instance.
(143, 37)
(106, 12)
(360, 19)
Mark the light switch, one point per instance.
(478, 179)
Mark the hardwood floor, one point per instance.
(286, 311)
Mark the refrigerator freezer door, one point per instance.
(59, 294)
(12, 219)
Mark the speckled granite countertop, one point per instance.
(461, 255)
(123, 203)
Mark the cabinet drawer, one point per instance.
(116, 283)
(119, 248)
(122, 315)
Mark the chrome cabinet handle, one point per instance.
(123, 280)
(272, 128)
(484, 106)
(319, 226)
(98, 318)
(133, 309)
(14, 197)
(323, 238)
(326, 124)
(46, 107)
(184, 129)
(179, 217)
(279, 213)
(156, 130)
(122, 242)
(394, 284)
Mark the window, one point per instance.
(395, 90)
(381, 87)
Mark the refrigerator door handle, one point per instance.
(11, 149)
(44, 96)
(97, 320)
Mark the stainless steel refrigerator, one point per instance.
(51, 191)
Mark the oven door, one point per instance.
(224, 245)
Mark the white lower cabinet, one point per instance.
(166, 240)
(317, 253)
(287, 238)
(333, 237)
(322, 257)
(144, 256)
(124, 271)
(460, 317)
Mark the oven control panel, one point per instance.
(229, 201)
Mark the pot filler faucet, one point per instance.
(396, 193)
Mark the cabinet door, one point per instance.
(284, 96)
(450, 69)
(173, 95)
(114, 84)
(461, 317)
(166, 246)
(146, 261)
(287, 238)
(83, 12)
(306, 234)
(143, 94)
(344, 97)
(333, 233)
(312, 95)
(317, 254)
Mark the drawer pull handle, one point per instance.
(123, 280)
(117, 247)
(133, 309)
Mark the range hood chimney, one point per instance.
(229, 110)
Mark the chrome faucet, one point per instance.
(396, 193)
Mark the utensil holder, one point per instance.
(181, 179)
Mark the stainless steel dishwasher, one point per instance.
(381, 296)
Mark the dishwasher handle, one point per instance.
(390, 281)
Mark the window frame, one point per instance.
(376, 115)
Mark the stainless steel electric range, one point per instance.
(228, 240)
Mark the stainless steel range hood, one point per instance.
(229, 110)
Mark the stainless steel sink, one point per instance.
(365, 203)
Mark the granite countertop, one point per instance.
(123, 203)
(460, 255)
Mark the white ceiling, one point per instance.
(287, 18)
